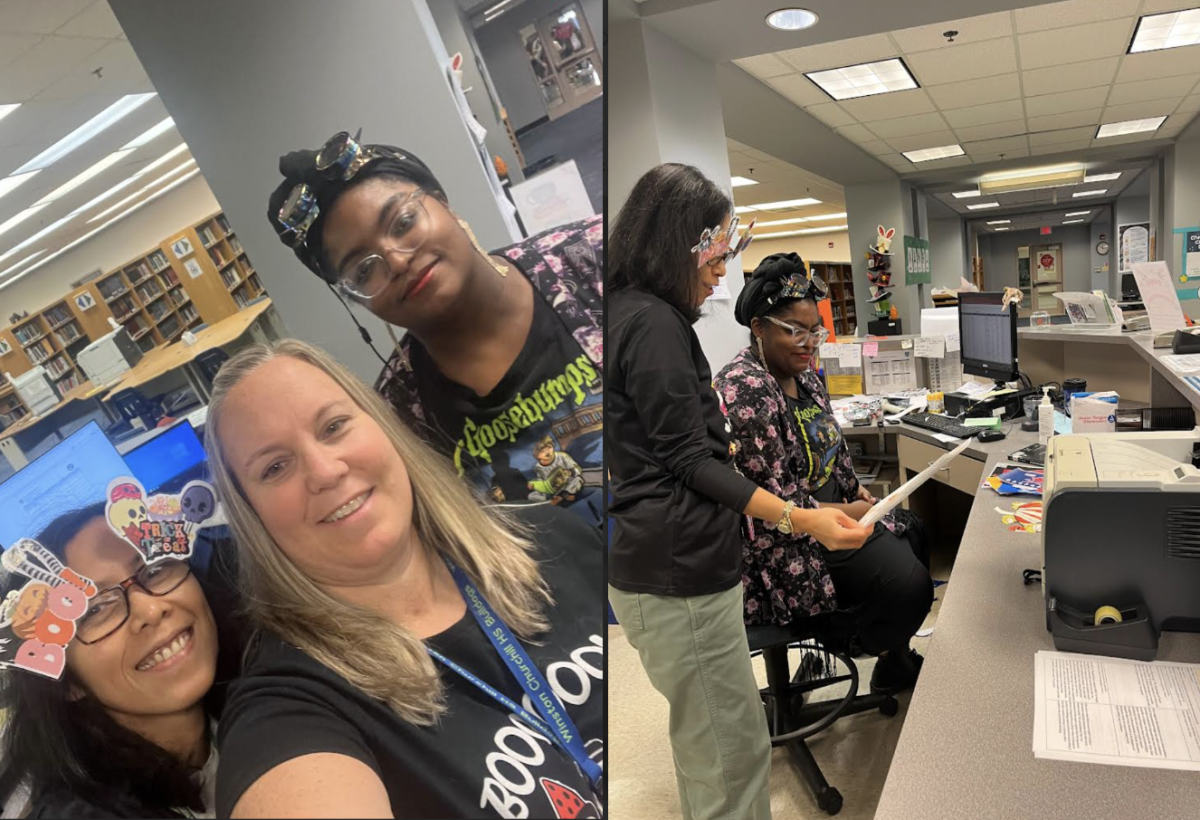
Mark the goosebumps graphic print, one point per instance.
(819, 435)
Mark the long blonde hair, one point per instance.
(369, 650)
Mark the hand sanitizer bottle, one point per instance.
(1045, 418)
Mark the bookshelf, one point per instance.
(840, 279)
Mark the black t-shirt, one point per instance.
(820, 436)
(538, 435)
(481, 760)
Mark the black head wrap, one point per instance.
(300, 166)
(766, 284)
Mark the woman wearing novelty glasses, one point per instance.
(501, 367)
(675, 571)
(419, 655)
(126, 731)
(788, 442)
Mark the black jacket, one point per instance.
(676, 496)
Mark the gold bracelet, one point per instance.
(785, 520)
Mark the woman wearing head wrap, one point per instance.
(503, 348)
(789, 443)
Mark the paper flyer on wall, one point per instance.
(1093, 709)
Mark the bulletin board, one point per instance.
(1188, 282)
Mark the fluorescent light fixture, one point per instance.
(1001, 229)
(1073, 221)
(5, 110)
(966, 194)
(93, 127)
(1091, 193)
(791, 19)
(738, 182)
(786, 204)
(1120, 129)
(25, 243)
(800, 231)
(9, 184)
(1170, 30)
(141, 191)
(495, 11)
(1000, 222)
(1031, 179)
(14, 221)
(825, 216)
(983, 206)
(927, 154)
(1077, 213)
(121, 186)
(72, 184)
(800, 219)
(864, 79)
(743, 209)
(1102, 177)
(147, 136)
(27, 259)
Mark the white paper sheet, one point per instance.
(1183, 362)
(850, 354)
(931, 347)
(902, 492)
(1158, 293)
(1093, 709)
(953, 342)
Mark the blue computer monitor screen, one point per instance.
(72, 474)
(168, 461)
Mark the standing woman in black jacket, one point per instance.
(675, 576)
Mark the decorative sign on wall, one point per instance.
(916, 261)
(1133, 242)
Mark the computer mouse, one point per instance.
(992, 435)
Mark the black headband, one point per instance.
(779, 277)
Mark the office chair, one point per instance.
(790, 720)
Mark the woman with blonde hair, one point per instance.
(416, 655)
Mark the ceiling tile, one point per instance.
(985, 114)
(976, 92)
(764, 66)
(97, 20)
(123, 74)
(1070, 77)
(906, 126)
(755, 154)
(1191, 103)
(991, 131)
(1066, 101)
(1083, 134)
(1072, 120)
(14, 45)
(40, 16)
(799, 89)
(830, 114)
(856, 133)
(878, 147)
(1152, 89)
(996, 156)
(1072, 13)
(1150, 65)
(933, 139)
(969, 62)
(934, 165)
(1000, 146)
(1076, 44)
(839, 54)
(1176, 123)
(1039, 150)
(970, 30)
(1155, 6)
(887, 106)
(43, 64)
(1138, 110)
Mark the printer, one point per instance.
(1121, 540)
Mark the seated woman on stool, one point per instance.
(789, 443)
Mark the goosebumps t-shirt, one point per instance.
(537, 437)
(820, 436)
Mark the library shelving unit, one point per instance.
(227, 256)
(841, 293)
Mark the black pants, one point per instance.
(887, 578)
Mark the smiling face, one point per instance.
(425, 283)
(783, 354)
(163, 659)
(321, 474)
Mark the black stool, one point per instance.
(790, 720)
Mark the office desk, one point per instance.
(966, 747)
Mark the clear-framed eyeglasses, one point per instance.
(109, 610)
(407, 230)
(801, 335)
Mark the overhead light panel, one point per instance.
(800, 231)
(864, 79)
(24, 261)
(1102, 177)
(46, 231)
(141, 191)
(966, 194)
(10, 184)
(5, 110)
(786, 204)
(1001, 229)
(743, 209)
(983, 206)
(1078, 213)
(1073, 221)
(121, 186)
(78, 180)
(1170, 30)
(14, 221)
(1000, 222)
(1031, 179)
(147, 136)
(738, 182)
(791, 19)
(1120, 129)
(800, 219)
(93, 127)
(825, 216)
(1091, 193)
(927, 154)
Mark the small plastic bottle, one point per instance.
(1045, 418)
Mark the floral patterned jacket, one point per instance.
(781, 574)
(566, 267)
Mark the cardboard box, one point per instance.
(1094, 412)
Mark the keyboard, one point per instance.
(941, 424)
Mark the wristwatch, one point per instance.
(785, 520)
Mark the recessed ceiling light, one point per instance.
(24, 261)
(121, 186)
(791, 19)
(5, 110)
(800, 219)
(786, 204)
(738, 182)
(146, 136)
(966, 194)
(826, 216)
(1091, 193)
(1078, 213)
(743, 209)
(93, 127)
(864, 79)
(1102, 177)
(983, 205)
(1000, 222)
(72, 184)
(927, 154)
(1000, 229)
(1170, 30)
(14, 221)
(1120, 129)
(25, 243)
(141, 191)
(10, 184)
(1073, 221)
(800, 231)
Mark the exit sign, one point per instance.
(1046, 231)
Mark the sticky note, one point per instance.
(829, 351)
(931, 347)
(870, 349)
(952, 342)
(850, 355)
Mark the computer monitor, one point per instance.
(988, 335)
(70, 475)
(169, 460)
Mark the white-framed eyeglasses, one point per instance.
(406, 232)
(801, 335)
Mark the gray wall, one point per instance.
(506, 60)
(999, 252)
(947, 252)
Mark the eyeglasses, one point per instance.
(406, 233)
(717, 246)
(109, 610)
(801, 335)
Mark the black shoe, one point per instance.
(895, 672)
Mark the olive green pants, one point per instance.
(694, 651)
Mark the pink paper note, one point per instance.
(870, 349)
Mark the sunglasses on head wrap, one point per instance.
(715, 244)
(801, 286)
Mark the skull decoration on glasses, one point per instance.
(718, 246)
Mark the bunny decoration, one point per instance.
(883, 245)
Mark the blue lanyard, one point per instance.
(555, 724)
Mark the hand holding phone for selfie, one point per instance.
(161, 526)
